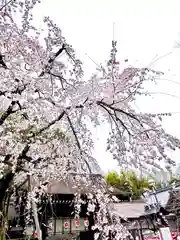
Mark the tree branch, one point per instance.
(59, 77)
(77, 140)
(62, 80)
(5, 5)
(48, 66)
(57, 119)
(118, 110)
(118, 119)
(9, 111)
(74, 132)
(19, 90)
(51, 123)
(115, 109)
(22, 155)
(2, 63)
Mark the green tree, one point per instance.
(128, 183)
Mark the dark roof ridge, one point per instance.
(167, 188)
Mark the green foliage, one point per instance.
(128, 183)
(174, 180)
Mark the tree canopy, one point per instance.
(46, 105)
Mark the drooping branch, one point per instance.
(77, 140)
(118, 110)
(56, 120)
(115, 109)
(122, 123)
(109, 108)
(74, 132)
(59, 77)
(112, 117)
(48, 99)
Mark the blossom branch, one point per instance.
(77, 140)
(57, 119)
(48, 66)
(118, 119)
(110, 106)
(51, 123)
(115, 120)
(59, 77)
(74, 132)
(115, 109)
(9, 111)
(5, 5)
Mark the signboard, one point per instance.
(173, 234)
(165, 234)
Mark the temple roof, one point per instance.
(73, 183)
(133, 209)
(167, 197)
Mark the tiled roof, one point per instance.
(129, 209)
(136, 209)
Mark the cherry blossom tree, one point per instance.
(47, 104)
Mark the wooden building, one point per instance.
(56, 208)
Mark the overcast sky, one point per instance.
(143, 30)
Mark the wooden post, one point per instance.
(34, 210)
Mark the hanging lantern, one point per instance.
(86, 223)
(35, 235)
(66, 225)
(77, 223)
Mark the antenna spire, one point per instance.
(113, 31)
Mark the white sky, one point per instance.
(143, 29)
